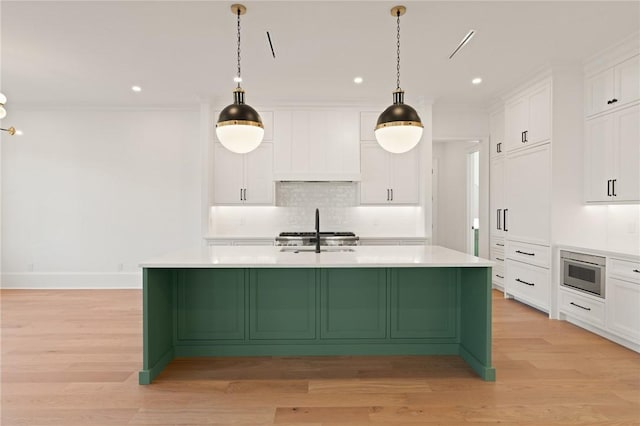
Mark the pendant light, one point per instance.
(399, 128)
(239, 127)
(3, 113)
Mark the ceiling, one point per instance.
(88, 53)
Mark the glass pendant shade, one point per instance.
(239, 127)
(399, 127)
(3, 112)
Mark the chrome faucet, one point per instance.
(317, 231)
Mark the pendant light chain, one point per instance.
(239, 75)
(398, 53)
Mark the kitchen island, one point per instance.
(363, 300)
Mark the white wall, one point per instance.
(459, 122)
(606, 227)
(88, 194)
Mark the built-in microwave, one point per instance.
(583, 272)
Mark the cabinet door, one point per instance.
(528, 197)
(539, 128)
(282, 303)
(404, 177)
(496, 196)
(598, 158)
(353, 303)
(600, 90)
(627, 81)
(210, 304)
(627, 155)
(374, 187)
(368, 122)
(516, 119)
(623, 308)
(258, 175)
(227, 176)
(496, 128)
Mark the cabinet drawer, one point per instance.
(584, 308)
(529, 283)
(497, 243)
(498, 275)
(497, 255)
(625, 270)
(529, 253)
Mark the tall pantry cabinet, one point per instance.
(520, 195)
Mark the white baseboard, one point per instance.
(71, 280)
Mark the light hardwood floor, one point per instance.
(72, 358)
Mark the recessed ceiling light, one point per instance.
(358, 80)
(476, 80)
(136, 89)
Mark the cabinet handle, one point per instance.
(522, 137)
(614, 100)
(500, 259)
(240, 194)
(609, 188)
(636, 270)
(526, 133)
(504, 220)
(524, 252)
(498, 224)
(499, 276)
(388, 194)
(500, 244)
(613, 187)
(499, 147)
(524, 282)
(391, 194)
(245, 194)
(578, 306)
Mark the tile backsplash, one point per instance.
(316, 194)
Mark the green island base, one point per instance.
(191, 312)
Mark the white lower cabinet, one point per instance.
(623, 308)
(582, 307)
(528, 283)
(497, 278)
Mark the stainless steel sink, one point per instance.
(306, 249)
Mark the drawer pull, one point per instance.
(500, 245)
(524, 282)
(636, 270)
(500, 259)
(578, 306)
(524, 252)
(499, 276)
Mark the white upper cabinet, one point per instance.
(368, 122)
(243, 178)
(388, 178)
(496, 128)
(527, 182)
(612, 157)
(614, 87)
(317, 145)
(528, 118)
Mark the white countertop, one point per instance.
(272, 257)
(633, 256)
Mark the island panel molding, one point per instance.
(258, 311)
